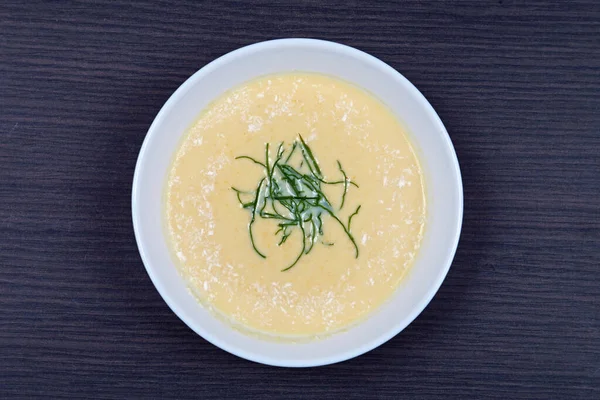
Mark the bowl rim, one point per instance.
(272, 45)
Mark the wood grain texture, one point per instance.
(518, 87)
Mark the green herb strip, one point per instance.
(295, 198)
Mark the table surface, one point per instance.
(517, 85)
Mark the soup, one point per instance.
(295, 205)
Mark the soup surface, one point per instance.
(295, 204)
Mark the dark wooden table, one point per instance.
(518, 87)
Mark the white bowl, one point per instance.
(435, 150)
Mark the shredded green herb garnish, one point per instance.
(294, 197)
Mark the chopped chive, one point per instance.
(312, 163)
(345, 184)
(251, 159)
(301, 251)
(352, 215)
(254, 218)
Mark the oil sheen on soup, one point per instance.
(295, 205)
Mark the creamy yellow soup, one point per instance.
(295, 205)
